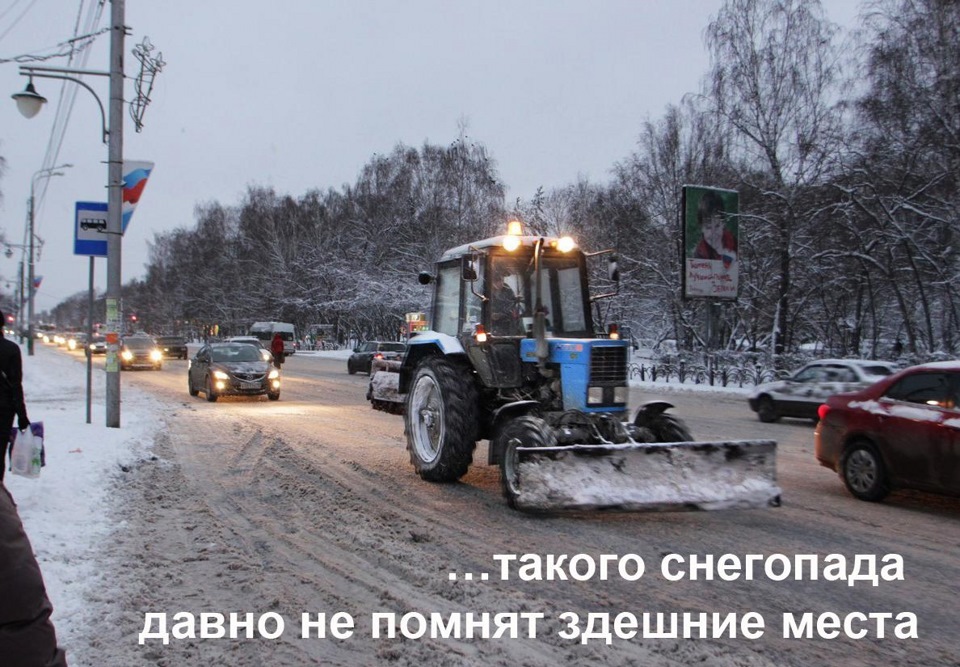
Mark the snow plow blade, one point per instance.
(648, 477)
(383, 391)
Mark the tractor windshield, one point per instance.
(511, 292)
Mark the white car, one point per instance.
(802, 393)
(252, 340)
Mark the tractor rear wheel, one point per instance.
(441, 419)
(526, 431)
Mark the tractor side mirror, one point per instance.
(468, 270)
(424, 278)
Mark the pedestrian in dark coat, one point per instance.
(11, 394)
(27, 636)
(276, 348)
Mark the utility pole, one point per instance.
(114, 223)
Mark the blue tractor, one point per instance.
(512, 357)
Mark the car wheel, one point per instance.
(211, 395)
(862, 471)
(767, 410)
(351, 369)
(274, 396)
(190, 389)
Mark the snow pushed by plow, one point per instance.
(649, 477)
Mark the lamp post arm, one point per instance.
(53, 73)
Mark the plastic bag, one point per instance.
(26, 456)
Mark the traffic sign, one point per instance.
(90, 229)
(90, 224)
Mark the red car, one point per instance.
(901, 432)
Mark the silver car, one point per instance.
(800, 394)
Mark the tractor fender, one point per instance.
(651, 409)
(426, 344)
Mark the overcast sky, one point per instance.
(301, 94)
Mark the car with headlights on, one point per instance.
(901, 432)
(801, 393)
(232, 369)
(364, 354)
(173, 347)
(98, 344)
(139, 351)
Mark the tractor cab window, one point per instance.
(446, 306)
(511, 293)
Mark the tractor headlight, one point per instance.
(594, 395)
(621, 394)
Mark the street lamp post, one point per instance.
(29, 103)
(31, 254)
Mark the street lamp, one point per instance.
(29, 102)
(38, 175)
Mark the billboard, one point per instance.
(711, 234)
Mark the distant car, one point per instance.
(252, 340)
(235, 369)
(76, 340)
(98, 344)
(802, 393)
(173, 346)
(364, 354)
(901, 432)
(140, 352)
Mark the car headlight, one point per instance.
(72, 344)
(274, 373)
(127, 355)
(156, 355)
(220, 375)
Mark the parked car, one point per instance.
(901, 432)
(235, 369)
(139, 351)
(800, 394)
(364, 354)
(174, 347)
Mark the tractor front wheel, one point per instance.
(526, 431)
(663, 426)
(441, 419)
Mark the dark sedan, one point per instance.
(173, 347)
(364, 354)
(902, 432)
(232, 369)
(140, 352)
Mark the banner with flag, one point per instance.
(135, 175)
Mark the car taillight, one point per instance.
(378, 355)
(822, 411)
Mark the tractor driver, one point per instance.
(503, 307)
